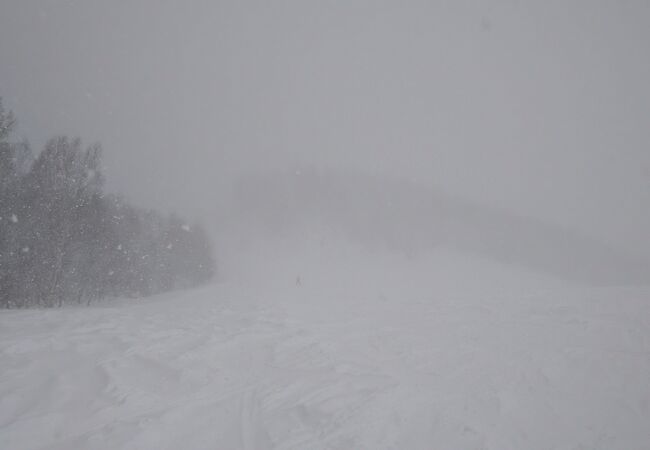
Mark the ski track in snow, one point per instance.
(221, 369)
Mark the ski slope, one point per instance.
(443, 353)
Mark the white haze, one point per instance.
(539, 108)
(430, 221)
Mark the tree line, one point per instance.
(64, 240)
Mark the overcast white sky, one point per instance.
(542, 108)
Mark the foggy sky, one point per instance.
(542, 108)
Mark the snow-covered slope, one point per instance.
(368, 351)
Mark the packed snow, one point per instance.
(368, 351)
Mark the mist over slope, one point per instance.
(410, 221)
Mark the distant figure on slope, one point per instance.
(298, 281)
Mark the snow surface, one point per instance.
(444, 352)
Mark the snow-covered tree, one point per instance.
(63, 240)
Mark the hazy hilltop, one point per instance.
(407, 218)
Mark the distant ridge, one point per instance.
(407, 217)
